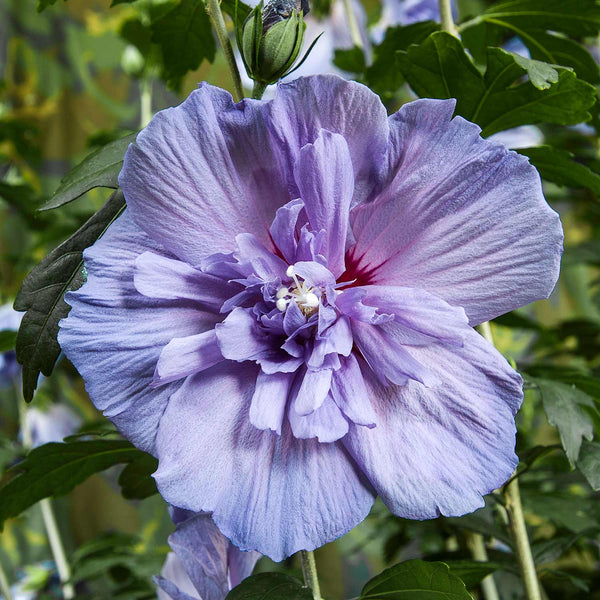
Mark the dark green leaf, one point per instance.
(563, 51)
(565, 409)
(440, 68)
(576, 18)
(55, 469)
(416, 580)
(586, 252)
(573, 512)
(8, 338)
(270, 586)
(351, 60)
(545, 551)
(589, 463)
(100, 169)
(584, 381)
(384, 76)
(136, 479)
(559, 167)
(185, 37)
(471, 571)
(42, 292)
(476, 522)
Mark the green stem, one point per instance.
(52, 532)
(353, 25)
(5, 585)
(446, 17)
(479, 553)
(516, 519)
(218, 23)
(258, 90)
(58, 550)
(309, 571)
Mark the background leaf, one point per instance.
(55, 469)
(99, 169)
(416, 580)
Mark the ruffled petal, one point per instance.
(185, 356)
(275, 494)
(176, 194)
(437, 451)
(114, 335)
(303, 107)
(326, 423)
(312, 391)
(459, 216)
(157, 276)
(388, 358)
(325, 179)
(240, 337)
(270, 397)
(350, 393)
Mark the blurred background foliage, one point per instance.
(81, 74)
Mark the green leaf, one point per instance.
(562, 51)
(416, 580)
(185, 37)
(100, 169)
(589, 463)
(8, 338)
(136, 478)
(55, 469)
(243, 10)
(42, 292)
(471, 572)
(440, 68)
(565, 407)
(559, 167)
(541, 74)
(351, 60)
(577, 18)
(270, 586)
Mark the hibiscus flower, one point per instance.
(283, 315)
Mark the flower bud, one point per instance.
(271, 38)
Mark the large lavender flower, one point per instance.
(204, 565)
(283, 314)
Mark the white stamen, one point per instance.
(282, 292)
(282, 304)
(310, 300)
(290, 271)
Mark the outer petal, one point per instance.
(114, 335)
(438, 450)
(324, 177)
(202, 550)
(461, 217)
(275, 494)
(303, 107)
(178, 196)
(174, 583)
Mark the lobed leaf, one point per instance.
(185, 37)
(416, 580)
(100, 169)
(565, 407)
(41, 295)
(54, 469)
(497, 100)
